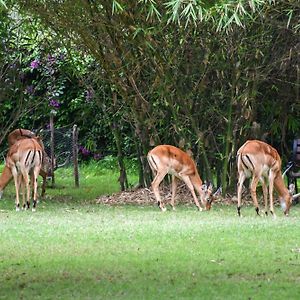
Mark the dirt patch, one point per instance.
(144, 196)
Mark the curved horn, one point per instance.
(287, 169)
(296, 196)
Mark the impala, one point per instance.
(24, 159)
(45, 171)
(262, 162)
(166, 159)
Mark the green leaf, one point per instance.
(116, 7)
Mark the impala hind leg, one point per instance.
(17, 187)
(26, 186)
(35, 186)
(189, 184)
(241, 180)
(253, 187)
(22, 185)
(155, 187)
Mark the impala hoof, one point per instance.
(163, 209)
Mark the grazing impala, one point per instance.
(24, 159)
(166, 159)
(262, 162)
(6, 176)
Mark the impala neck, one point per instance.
(280, 186)
(5, 177)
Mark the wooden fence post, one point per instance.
(75, 155)
(52, 114)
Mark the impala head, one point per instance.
(286, 203)
(46, 165)
(207, 188)
(287, 200)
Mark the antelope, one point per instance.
(262, 162)
(166, 159)
(45, 171)
(24, 159)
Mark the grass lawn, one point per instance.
(72, 248)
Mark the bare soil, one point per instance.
(144, 196)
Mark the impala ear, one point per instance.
(292, 189)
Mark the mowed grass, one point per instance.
(72, 249)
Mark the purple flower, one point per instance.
(97, 156)
(29, 89)
(51, 59)
(89, 95)
(54, 103)
(35, 64)
(84, 151)
(61, 56)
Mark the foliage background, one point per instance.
(201, 75)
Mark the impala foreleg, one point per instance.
(44, 185)
(189, 184)
(265, 194)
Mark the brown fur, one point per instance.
(24, 159)
(165, 159)
(263, 163)
(13, 137)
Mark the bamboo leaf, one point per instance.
(116, 7)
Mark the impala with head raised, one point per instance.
(262, 162)
(24, 159)
(166, 159)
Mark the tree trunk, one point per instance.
(118, 140)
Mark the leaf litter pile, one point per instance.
(145, 196)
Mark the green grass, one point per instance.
(71, 249)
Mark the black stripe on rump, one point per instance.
(33, 157)
(40, 156)
(153, 162)
(26, 160)
(250, 161)
(244, 162)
